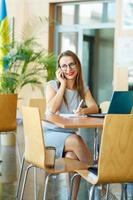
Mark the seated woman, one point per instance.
(63, 96)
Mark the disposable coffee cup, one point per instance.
(50, 156)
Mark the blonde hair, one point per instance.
(79, 85)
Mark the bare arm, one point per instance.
(54, 99)
(91, 105)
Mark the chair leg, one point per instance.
(123, 191)
(71, 186)
(91, 193)
(20, 176)
(96, 144)
(132, 191)
(126, 193)
(18, 152)
(24, 181)
(107, 191)
(35, 183)
(68, 182)
(46, 184)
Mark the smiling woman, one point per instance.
(68, 67)
(63, 96)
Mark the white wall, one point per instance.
(27, 12)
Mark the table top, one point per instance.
(74, 122)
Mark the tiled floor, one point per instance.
(57, 188)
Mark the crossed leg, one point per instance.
(76, 148)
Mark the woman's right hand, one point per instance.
(60, 76)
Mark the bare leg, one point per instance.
(74, 143)
(77, 179)
(76, 148)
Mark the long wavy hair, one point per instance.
(79, 85)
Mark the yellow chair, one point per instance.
(115, 163)
(34, 153)
(39, 103)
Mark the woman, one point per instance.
(63, 96)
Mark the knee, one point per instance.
(77, 140)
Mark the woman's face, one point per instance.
(68, 66)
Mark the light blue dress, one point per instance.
(56, 136)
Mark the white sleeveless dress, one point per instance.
(56, 136)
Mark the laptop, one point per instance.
(121, 103)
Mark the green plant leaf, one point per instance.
(28, 64)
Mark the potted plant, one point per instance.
(27, 63)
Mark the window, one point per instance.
(86, 13)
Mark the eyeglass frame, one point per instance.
(71, 65)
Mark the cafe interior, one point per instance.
(100, 32)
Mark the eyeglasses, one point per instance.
(70, 65)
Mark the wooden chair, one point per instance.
(115, 163)
(34, 153)
(39, 103)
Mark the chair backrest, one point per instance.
(116, 152)
(39, 103)
(34, 142)
(8, 109)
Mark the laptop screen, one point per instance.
(121, 102)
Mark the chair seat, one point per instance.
(62, 165)
(88, 176)
(66, 165)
